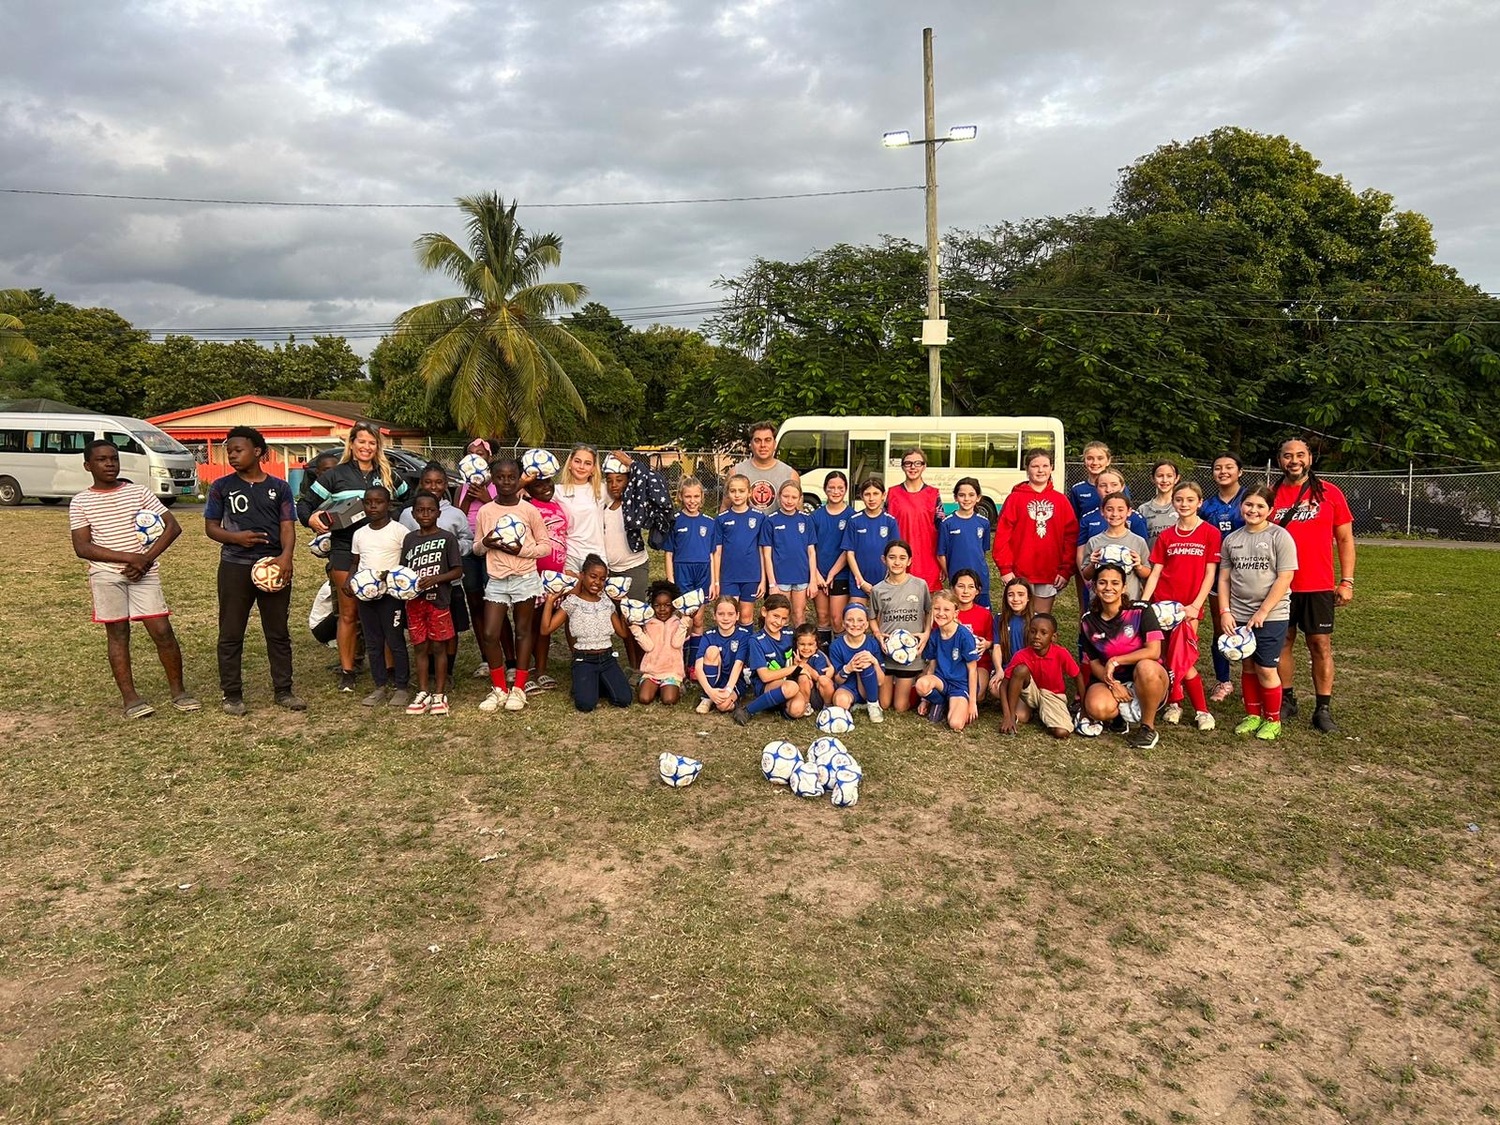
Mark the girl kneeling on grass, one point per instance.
(722, 658)
(858, 664)
(593, 623)
(1255, 580)
(1123, 646)
(949, 688)
(661, 640)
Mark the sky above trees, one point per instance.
(566, 102)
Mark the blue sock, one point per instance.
(771, 698)
(1221, 666)
(869, 684)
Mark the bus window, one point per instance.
(934, 447)
(12, 441)
(808, 450)
(58, 441)
(125, 443)
(987, 451)
(1040, 439)
(866, 460)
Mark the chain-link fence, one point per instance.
(1463, 506)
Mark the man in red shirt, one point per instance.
(1318, 518)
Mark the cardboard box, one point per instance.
(345, 513)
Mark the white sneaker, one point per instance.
(492, 701)
(1173, 714)
(482, 672)
(516, 701)
(705, 705)
(1204, 720)
(418, 705)
(875, 713)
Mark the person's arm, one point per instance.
(1152, 581)
(541, 545)
(814, 579)
(1343, 538)
(353, 570)
(85, 548)
(642, 637)
(1195, 607)
(669, 554)
(1010, 695)
(287, 529)
(768, 569)
(974, 689)
(553, 615)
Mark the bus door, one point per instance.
(866, 459)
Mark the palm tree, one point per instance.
(496, 346)
(13, 342)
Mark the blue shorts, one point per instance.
(743, 591)
(1270, 638)
(692, 576)
(793, 587)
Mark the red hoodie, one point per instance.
(1036, 535)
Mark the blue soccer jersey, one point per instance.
(693, 539)
(965, 543)
(1092, 523)
(767, 651)
(734, 647)
(868, 536)
(1083, 496)
(739, 547)
(953, 655)
(840, 651)
(828, 534)
(789, 535)
(1223, 514)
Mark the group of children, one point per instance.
(852, 566)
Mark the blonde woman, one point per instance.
(581, 493)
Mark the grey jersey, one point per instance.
(1253, 559)
(1131, 542)
(1158, 517)
(902, 605)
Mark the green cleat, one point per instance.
(1268, 732)
(1249, 724)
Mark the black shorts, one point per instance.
(1312, 613)
(902, 672)
(839, 587)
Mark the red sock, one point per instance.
(1251, 689)
(497, 677)
(521, 678)
(1194, 689)
(1273, 703)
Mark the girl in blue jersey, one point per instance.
(690, 555)
(1084, 494)
(774, 673)
(866, 537)
(736, 560)
(949, 688)
(788, 551)
(1108, 482)
(964, 540)
(858, 663)
(829, 522)
(722, 657)
(815, 670)
(1222, 509)
(1011, 623)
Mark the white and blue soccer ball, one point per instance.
(634, 612)
(539, 463)
(1117, 554)
(689, 602)
(1239, 644)
(1087, 727)
(474, 469)
(149, 527)
(1169, 615)
(321, 546)
(617, 586)
(835, 720)
(509, 530)
(556, 582)
(778, 760)
(678, 771)
(804, 780)
(613, 464)
(845, 788)
(824, 748)
(368, 585)
(901, 646)
(1130, 710)
(401, 582)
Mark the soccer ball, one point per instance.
(634, 612)
(266, 575)
(321, 546)
(778, 760)
(613, 464)
(401, 582)
(368, 585)
(1087, 727)
(556, 582)
(509, 530)
(474, 469)
(688, 603)
(824, 748)
(1114, 553)
(845, 788)
(1238, 644)
(835, 720)
(1130, 710)
(617, 587)
(846, 761)
(902, 646)
(539, 463)
(1169, 615)
(804, 781)
(149, 527)
(678, 771)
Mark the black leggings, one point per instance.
(384, 625)
(593, 670)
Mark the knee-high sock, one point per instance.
(1250, 688)
(767, 700)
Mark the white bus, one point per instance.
(41, 456)
(987, 448)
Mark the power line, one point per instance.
(447, 206)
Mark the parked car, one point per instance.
(408, 466)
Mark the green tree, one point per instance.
(92, 358)
(496, 347)
(311, 370)
(14, 346)
(616, 400)
(399, 394)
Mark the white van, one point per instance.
(987, 448)
(41, 456)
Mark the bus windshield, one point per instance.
(159, 442)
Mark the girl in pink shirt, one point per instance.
(661, 640)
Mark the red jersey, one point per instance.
(1311, 527)
(1049, 670)
(1036, 535)
(916, 515)
(981, 623)
(1185, 557)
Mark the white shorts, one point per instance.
(513, 589)
(1045, 590)
(116, 599)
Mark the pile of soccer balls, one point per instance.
(828, 768)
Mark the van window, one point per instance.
(12, 441)
(1040, 439)
(125, 443)
(988, 451)
(58, 441)
(934, 447)
(807, 450)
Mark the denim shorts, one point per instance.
(513, 589)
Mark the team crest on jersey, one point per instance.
(1041, 511)
(271, 492)
(801, 527)
(1128, 631)
(842, 523)
(750, 523)
(884, 531)
(702, 532)
(954, 655)
(734, 646)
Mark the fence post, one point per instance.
(1410, 470)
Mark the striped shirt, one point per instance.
(110, 518)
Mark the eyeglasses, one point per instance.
(914, 464)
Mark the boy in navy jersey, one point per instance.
(252, 515)
(736, 561)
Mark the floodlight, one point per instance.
(897, 139)
(963, 132)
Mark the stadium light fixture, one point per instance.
(899, 139)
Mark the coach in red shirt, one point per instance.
(1318, 518)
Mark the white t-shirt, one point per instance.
(379, 549)
(585, 521)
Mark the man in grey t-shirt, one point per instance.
(766, 472)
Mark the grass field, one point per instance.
(331, 916)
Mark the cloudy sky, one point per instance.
(559, 102)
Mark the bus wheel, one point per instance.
(50, 500)
(10, 492)
(810, 503)
(988, 511)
